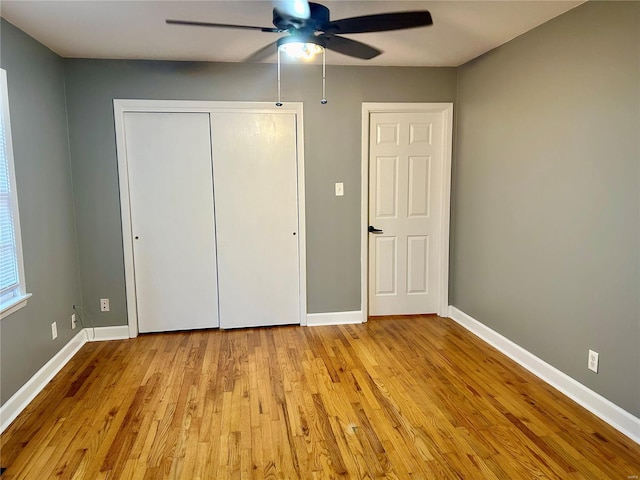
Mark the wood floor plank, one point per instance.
(398, 398)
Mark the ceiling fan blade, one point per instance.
(262, 53)
(222, 25)
(381, 22)
(293, 8)
(349, 47)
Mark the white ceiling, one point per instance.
(462, 30)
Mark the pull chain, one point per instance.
(324, 76)
(278, 103)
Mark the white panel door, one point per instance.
(172, 219)
(405, 178)
(256, 197)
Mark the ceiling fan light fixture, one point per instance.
(303, 47)
(305, 51)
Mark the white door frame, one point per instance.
(446, 110)
(122, 106)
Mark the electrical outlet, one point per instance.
(73, 321)
(339, 189)
(54, 330)
(593, 361)
(104, 304)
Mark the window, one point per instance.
(12, 288)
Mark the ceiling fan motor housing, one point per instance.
(318, 19)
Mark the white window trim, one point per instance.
(16, 302)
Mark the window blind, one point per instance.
(9, 279)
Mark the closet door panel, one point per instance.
(172, 218)
(256, 201)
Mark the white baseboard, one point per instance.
(19, 401)
(98, 334)
(334, 318)
(615, 416)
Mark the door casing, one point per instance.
(446, 110)
(120, 106)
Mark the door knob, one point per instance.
(375, 230)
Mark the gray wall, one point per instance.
(43, 176)
(332, 153)
(546, 206)
(546, 202)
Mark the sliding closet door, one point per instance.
(256, 198)
(172, 219)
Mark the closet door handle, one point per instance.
(375, 230)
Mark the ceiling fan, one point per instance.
(309, 29)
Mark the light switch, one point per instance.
(339, 189)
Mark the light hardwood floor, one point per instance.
(405, 398)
